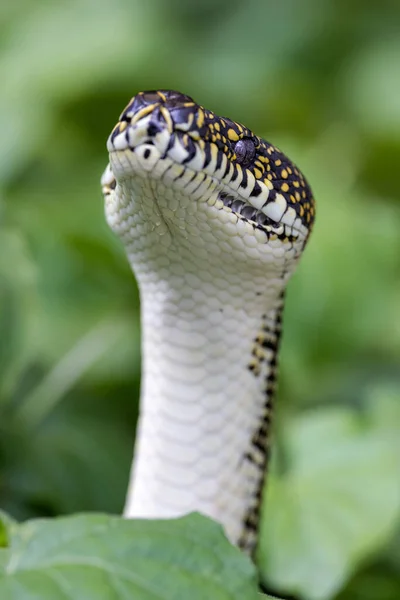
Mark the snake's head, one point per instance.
(165, 136)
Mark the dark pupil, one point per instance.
(245, 151)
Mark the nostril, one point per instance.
(153, 129)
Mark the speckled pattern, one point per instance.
(214, 220)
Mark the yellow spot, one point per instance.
(200, 118)
(123, 126)
(232, 135)
(292, 198)
(290, 170)
(162, 96)
(284, 174)
(284, 187)
(296, 184)
(143, 112)
(278, 163)
(217, 127)
(167, 118)
(297, 196)
(304, 194)
(257, 173)
(268, 182)
(214, 151)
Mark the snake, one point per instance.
(214, 220)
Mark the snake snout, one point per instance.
(151, 129)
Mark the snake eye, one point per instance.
(245, 151)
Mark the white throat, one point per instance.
(210, 330)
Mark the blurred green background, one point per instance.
(319, 78)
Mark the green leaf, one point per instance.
(105, 557)
(338, 502)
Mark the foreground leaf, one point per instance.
(99, 557)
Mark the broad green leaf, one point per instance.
(100, 557)
(338, 502)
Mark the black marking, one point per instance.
(271, 378)
(191, 148)
(146, 153)
(227, 168)
(270, 344)
(256, 190)
(259, 454)
(219, 160)
(153, 129)
(243, 183)
(171, 142)
(250, 457)
(207, 156)
(250, 524)
(258, 443)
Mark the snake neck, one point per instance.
(211, 298)
(209, 347)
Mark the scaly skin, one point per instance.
(213, 220)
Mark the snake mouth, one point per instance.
(143, 153)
